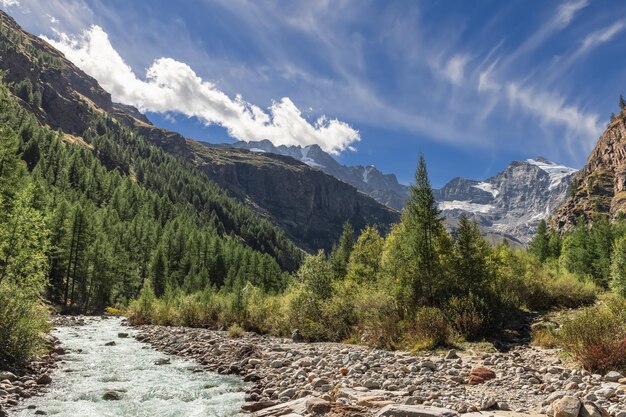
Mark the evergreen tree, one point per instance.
(540, 245)
(618, 267)
(340, 255)
(470, 258)
(622, 102)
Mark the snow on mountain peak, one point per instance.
(556, 172)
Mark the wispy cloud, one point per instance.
(455, 68)
(602, 36)
(172, 86)
(568, 10)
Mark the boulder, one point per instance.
(111, 396)
(480, 374)
(567, 406)
(397, 410)
(44, 379)
(317, 406)
(296, 336)
(613, 376)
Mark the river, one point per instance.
(90, 369)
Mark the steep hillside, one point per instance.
(384, 188)
(600, 187)
(510, 204)
(310, 206)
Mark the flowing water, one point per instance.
(90, 369)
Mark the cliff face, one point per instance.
(600, 187)
(307, 204)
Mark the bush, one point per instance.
(596, 337)
(545, 337)
(23, 323)
(112, 311)
(469, 317)
(377, 319)
(430, 329)
(235, 331)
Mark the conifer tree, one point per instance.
(539, 246)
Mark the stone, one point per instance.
(397, 410)
(256, 406)
(567, 406)
(487, 403)
(162, 361)
(111, 396)
(44, 379)
(589, 409)
(122, 335)
(451, 355)
(317, 406)
(111, 343)
(613, 376)
(296, 336)
(8, 376)
(480, 374)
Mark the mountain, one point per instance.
(510, 204)
(384, 188)
(600, 187)
(307, 204)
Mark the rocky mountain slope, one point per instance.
(309, 205)
(510, 204)
(385, 188)
(600, 187)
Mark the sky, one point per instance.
(471, 84)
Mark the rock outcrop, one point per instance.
(600, 187)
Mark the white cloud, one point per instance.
(454, 68)
(567, 11)
(601, 36)
(172, 86)
(554, 109)
(9, 3)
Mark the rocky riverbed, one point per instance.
(287, 378)
(33, 379)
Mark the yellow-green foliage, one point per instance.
(235, 331)
(113, 311)
(23, 322)
(429, 329)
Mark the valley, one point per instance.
(144, 273)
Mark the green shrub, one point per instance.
(235, 331)
(377, 319)
(430, 329)
(596, 337)
(469, 317)
(23, 323)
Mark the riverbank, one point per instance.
(338, 379)
(33, 379)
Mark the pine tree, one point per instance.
(470, 258)
(341, 253)
(539, 246)
(419, 247)
(622, 102)
(618, 267)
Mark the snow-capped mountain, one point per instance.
(368, 179)
(511, 203)
(508, 205)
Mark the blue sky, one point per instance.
(471, 84)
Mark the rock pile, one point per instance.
(356, 380)
(31, 380)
